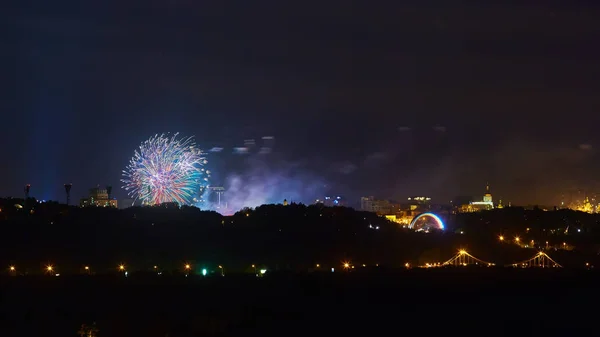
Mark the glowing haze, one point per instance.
(260, 183)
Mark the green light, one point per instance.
(204, 272)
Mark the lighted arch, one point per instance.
(437, 219)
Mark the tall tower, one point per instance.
(487, 197)
(27, 188)
(219, 190)
(68, 192)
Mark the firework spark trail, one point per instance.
(166, 169)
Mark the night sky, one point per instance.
(384, 98)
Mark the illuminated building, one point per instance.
(487, 197)
(581, 202)
(331, 201)
(98, 197)
(585, 206)
(404, 217)
(370, 204)
(393, 211)
(486, 203)
(406, 212)
(366, 203)
(392, 218)
(379, 206)
(421, 204)
(420, 200)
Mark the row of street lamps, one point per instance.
(518, 241)
(187, 267)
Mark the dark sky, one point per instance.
(387, 98)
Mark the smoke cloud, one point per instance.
(263, 183)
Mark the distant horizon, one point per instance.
(355, 205)
(315, 109)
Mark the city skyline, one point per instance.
(578, 200)
(389, 100)
(297, 166)
(253, 161)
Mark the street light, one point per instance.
(12, 268)
(49, 268)
(501, 238)
(121, 267)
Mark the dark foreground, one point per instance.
(422, 302)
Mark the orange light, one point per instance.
(49, 268)
(187, 267)
(501, 238)
(121, 267)
(87, 268)
(12, 268)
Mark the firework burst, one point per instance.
(166, 169)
